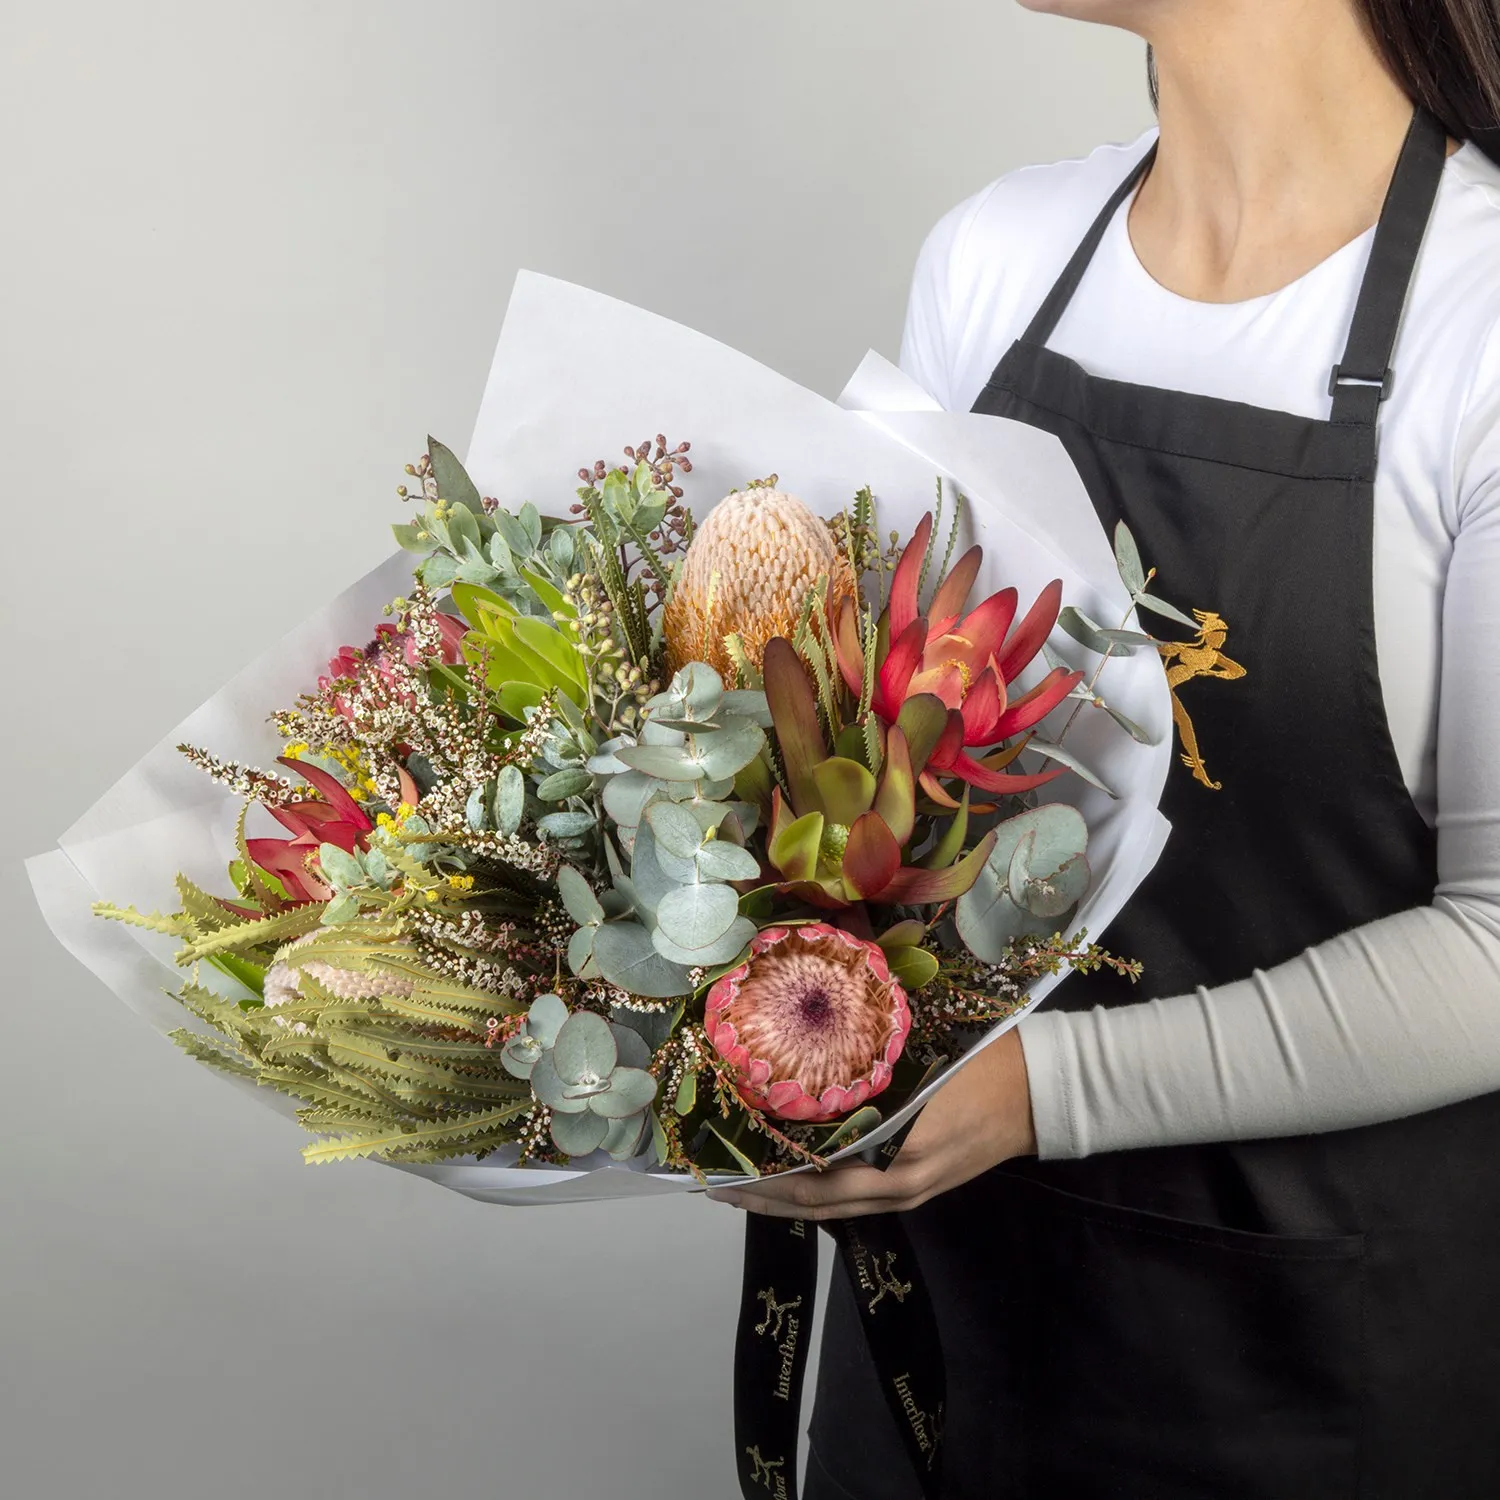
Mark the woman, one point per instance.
(1237, 1232)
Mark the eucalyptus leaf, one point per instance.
(630, 1091)
(697, 916)
(579, 1134)
(584, 1049)
(339, 867)
(561, 785)
(567, 825)
(1128, 559)
(625, 797)
(627, 958)
(578, 897)
(1130, 727)
(720, 860)
(662, 761)
(343, 908)
(1161, 607)
(1067, 758)
(675, 827)
(747, 703)
(453, 482)
(581, 952)
(549, 1089)
(724, 950)
(624, 1137)
(509, 803)
(546, 1017)
(731, 751)
(631, 1045)
(1082, 629)
(476, 814)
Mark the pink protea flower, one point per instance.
(811, 1022)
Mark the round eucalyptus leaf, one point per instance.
(720, 860)
(663, 761)
(545, 1018)
(626, 957)
(603, 761)
(550, 1090)
(633, 1050)
(727, 948)
(340, 867)
(696, 916)
(747, 703)
(623, 1138)
(584, 1049)
(520, 1055)
(577, 896)
(625, 796)
(579, 1134)
(655, 732)
(676, 829)
(731, 751)
(581, 951)
(700, 688)
(630, 1090)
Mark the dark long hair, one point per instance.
(1445, 54)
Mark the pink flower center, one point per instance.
(815, 1011)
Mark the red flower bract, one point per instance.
(811, 1022)
(963, 661)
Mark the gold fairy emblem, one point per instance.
(764, 1470)
(887, 1280)
(775, 1312)
(1200, 657)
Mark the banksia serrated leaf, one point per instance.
(155, 921)
(213, 1052)
(264, 932)
(456, 1134)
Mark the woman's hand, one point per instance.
(980, 1117)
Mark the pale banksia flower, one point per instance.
(749, 570)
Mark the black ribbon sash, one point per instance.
(777, 1303)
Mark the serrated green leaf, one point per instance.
(445, 1133)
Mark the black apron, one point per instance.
(1301, 1317)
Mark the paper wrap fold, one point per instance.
(575, 377)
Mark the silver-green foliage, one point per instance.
(670, 794)
(590, 1073)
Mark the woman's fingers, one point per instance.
(840, 1192)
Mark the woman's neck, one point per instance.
(1280, 125)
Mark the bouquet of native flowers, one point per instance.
(641, 842)
(634, 834)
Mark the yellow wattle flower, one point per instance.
(748, 572)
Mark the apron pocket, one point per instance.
(1167, 1359)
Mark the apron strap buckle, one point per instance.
(1340, 376)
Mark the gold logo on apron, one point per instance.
(1202, 656)
(765, 1471)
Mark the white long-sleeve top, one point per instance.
(1402, 1014)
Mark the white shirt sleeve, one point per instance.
(1387, 1019)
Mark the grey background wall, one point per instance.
(251, 255)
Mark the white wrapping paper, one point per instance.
(575, 377)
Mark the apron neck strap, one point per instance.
(1362, 378)
(1056, 305)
